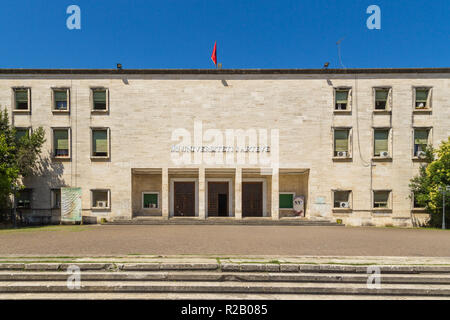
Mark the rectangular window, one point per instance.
(286, 200)
(422, 98)
(100, 199)
(23, 200)
(416, 204)
(22, 132)
(61, 144)
(421, 137)
(381, 99)
(341, 99)
(381, 142)
(100, 102)
(381, 199)
(60, 100)
(56, 198)
(341, 143)
(150, 200)
(100, 145)
(21, 99)
(341, 199)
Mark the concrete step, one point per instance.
(310, 288)
(225, 221)
(443, 279)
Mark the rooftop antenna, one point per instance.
(339, 52)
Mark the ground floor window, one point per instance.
(56, 198)
(287, 200)
(23, 200)
(150, 200)
(381, 199)
(100, 199)
(341, 199)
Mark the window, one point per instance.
(421, 137)
(23, 200)
(416, 204)
(382, 99)
(22, 99)
(22, 132)
(99, 100)
(61, 143)
(286, 200)
(61, 99)
(100, 142)
(56, 198)
(422, 98)
(341, 143)
(342, 100)
(381, 199)
(341, 199)
(100, 199)
(381, 143)
(150, 200)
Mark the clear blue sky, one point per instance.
(250, 34)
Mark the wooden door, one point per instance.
(217, 191)
(184, 199)
(252, 199)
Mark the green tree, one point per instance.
(425, 186)
(18, 158)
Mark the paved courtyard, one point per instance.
(224, 240)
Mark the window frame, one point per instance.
(389, 201)
(389, 142)
(429, 141)
(52, 198)
(98, 111)
(389, 102)
(150, 192)
(348, 110)
(29, 129)
(108, 207)
(350, 144)
(67, 99)
(350, 200)
(54, 156)
(429, 104)
(30, 190)
(94, 157)
(293, 197)
(14, 100)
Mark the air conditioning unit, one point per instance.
(344, 205)
(421, 154)
(342, 153)
(102, 204)
(384, 154)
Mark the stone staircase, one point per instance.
(219, 281)
(224, 221)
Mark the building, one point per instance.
(230, 143)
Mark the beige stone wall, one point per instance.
(144, 111)
(145, 183)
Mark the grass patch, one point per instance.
(67, 228)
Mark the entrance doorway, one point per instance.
(252, 199)
(218, 197)
(184, 199)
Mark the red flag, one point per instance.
(214, 54)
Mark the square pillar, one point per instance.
(275, 194)
(238, 194)
(201, 194)
(165, 193)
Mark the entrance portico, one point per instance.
(227, 193)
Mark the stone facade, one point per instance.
(145, 108)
